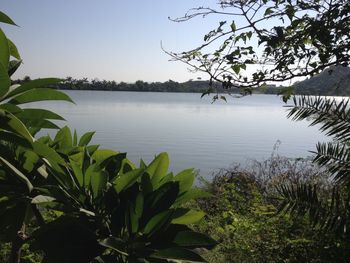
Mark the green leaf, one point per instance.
(233, 26)
(31, 159)
(48, 153)
(178, 254)
(86, 138)
(236, 68)
(10, 108)
(64, 139)
(133, 219)
(78, 173)
(38, 114)
(122, 182)
(40, 94)
(5, 81)
(185, 179)
(158, 168)
(13, 50)
(158, 221)
(11, 123)
(268, 11)
(102, 154)
(193, 239)
(5, 51)
(18, 174)
(183, 216)
(98, 181)
(6, 19)
(37, 83)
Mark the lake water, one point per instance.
(193, 131)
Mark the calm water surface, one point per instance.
(193, 131)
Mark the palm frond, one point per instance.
(329, 213)
(333, 115)
(336, 158)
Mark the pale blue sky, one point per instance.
(106, 39)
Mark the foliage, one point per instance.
(277, 40)
(73, 202)
(242, 215)
(330, 212)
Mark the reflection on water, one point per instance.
(193, 131)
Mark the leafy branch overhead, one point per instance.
(265, 41)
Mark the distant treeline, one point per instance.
(334, 81)
(191, 86)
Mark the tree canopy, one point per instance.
(264, 41)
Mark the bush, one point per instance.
(243, 216)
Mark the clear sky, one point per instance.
(105, 39)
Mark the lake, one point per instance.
(195, 132)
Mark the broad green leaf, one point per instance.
(78, 173)
(168, 178)
(64, 139)
(122, 182)
(185, 179)
(48, 153)
(36, 125)
(126, 166)
(193, 239)
(102, 154)
(36, 83)
(31, 159)
(158, 168)
(11, 123)
(5, 81)
(13, 50)
(17, 173)
(86, 138)
(42, 199)
(98, 182)
(142, 164)
(10, 108)
(38, 114)
(178, 254)
(6, 19)
(133, 219)
(40, 94)
(183, 216)
(158, 221)
(5, 50)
